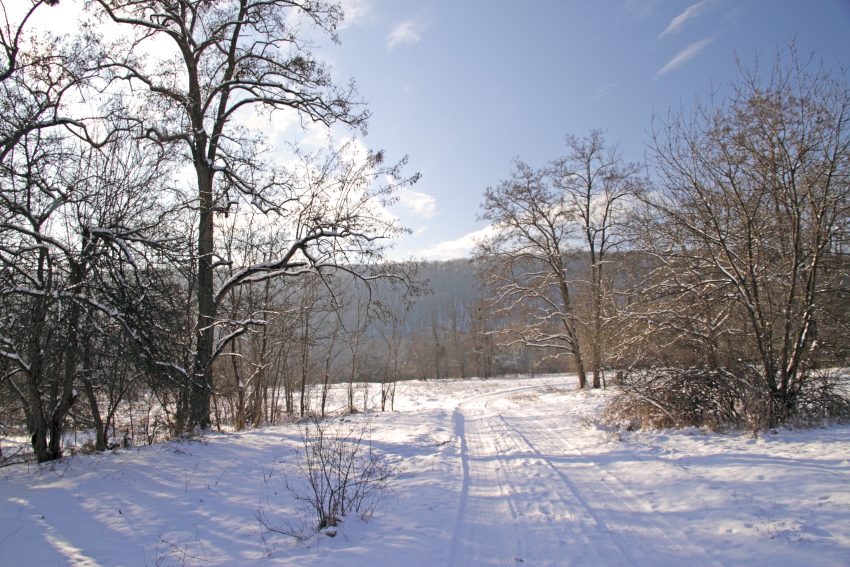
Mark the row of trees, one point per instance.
(160, 272)
(326, 332)
(729, 252)
(142, 220)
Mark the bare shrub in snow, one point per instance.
(823, 397)
(671, 397)
(717, 399)
(339, 473)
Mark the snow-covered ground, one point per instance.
(495, 472)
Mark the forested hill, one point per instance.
(448, 282)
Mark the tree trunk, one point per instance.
(200, 388)
(596, 306)
(305, 362)
(596, 329)
(572, 337)
(68, 372)
(100, 441)
(582, 375)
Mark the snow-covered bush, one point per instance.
(671, 397)
(339, 473)
(717, 399)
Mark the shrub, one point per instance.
(718, 399)
(339, 473)
(671, 397)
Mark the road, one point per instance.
(530, 496)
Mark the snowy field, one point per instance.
(495, 472)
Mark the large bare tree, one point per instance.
(218, 60)
(598, 188)
(527, 264)
(750, 224)
(70, 216)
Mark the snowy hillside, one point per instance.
(495, 472)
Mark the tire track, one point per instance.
(475, 540)
(528, 495)
(636, 534)
(500, 519)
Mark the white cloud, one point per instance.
(406, 32)
(459, 248)
(274, 125)
(355, 11)
(605, 90)
(639, 9)
(685, 55)
(420, 204)
(690, 12)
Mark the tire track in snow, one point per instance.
(636, 534)
(500, 519)
(473, 541)
(529, 496)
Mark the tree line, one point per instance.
(161, 272)
(714, 279)
(143, 222)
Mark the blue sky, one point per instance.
(462, 87)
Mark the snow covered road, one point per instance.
(494, 472)
(530, 496)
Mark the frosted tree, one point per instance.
(217, 61)
(526, 264)
(598, 188)
(750, 224)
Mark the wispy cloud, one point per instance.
(639, 9)
(685, 55)
(605, 90)
(690, 12)
(407, 32)
(420, 204)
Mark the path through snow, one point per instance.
(530, 496)
(496, 472)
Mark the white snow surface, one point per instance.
(495, 472)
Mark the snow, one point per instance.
(496, 472)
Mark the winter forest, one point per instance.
(162, 278)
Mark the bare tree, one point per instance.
(392, 327)
(39, 76)
(527, 263)
(598, 187)
(750, 223)
(77, 225)
(228, 58)
(360, 318)
(482, 344)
